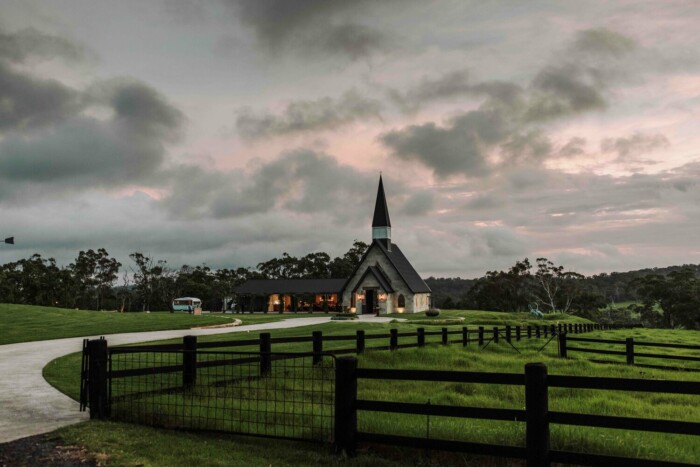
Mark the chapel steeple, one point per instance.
(381, 225)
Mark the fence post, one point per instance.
(529, 331)
(421, 337)
(481, 336)
(444, 336)
(559, 328)
(629, 349)
(495, 335)
(360, 347)
(545, 330)
(536, 412)
(508, 334)
(517, 333)
(345, 405)
(552, 330)
(537, 331)
(97, 382)
(562, 345)
(465, 336)
(317, 342)
(265, 357)
(189, 361)
(393, 339)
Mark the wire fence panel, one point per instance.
(274, 395)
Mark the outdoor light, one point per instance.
(10, 240)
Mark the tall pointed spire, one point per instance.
(381, 225)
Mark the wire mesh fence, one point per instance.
(278, 395)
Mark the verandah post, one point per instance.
(265, 356)
(393, 339)
(421, 337)
(189, 361)
(562, 345)
(536, 413)
(629, 350)
(345, 431)
(98, 395)
(360, 347)
(317, 342)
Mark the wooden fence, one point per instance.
(630, 351)
(536, 416)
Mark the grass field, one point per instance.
(25, 323)
(63, 373)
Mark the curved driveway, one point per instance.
(31, 406)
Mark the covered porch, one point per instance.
(290, 296)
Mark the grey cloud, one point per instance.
(309, 115)
(310, 26)
(84, 152)
(418, 204)
(574, 147)
(461, 147)
(449, 85)
(29, 43)
(301, 181)
(27, 102)
(602, 41)
(510, 124)
(565, 90)
(628, 149)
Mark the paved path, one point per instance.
(31, 406)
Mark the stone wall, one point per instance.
(374, 257)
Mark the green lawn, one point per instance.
(491, 318)
(24, 323)
(63, 373)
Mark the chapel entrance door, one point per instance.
(369, 301)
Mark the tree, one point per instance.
(669, 301)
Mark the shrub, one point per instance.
(433, 312)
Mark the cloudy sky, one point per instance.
(229, 131)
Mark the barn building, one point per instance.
(383, 282)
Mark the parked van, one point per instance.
(188, 304)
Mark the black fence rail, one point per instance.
(536, 415)
(314, 396)
(631, 351)
(280, 395)
(480, 336)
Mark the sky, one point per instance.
(227, 132)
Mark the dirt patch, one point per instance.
(45, 450)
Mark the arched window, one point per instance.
(402, 301)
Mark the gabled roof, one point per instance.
(381, 211)
(404, 268)
(378, 274)
(291, 286)
(400, 263)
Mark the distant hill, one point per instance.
(449, 292)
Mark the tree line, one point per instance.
(97, 281)
(668, 297)
(662, 297)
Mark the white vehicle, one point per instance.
(188, 304)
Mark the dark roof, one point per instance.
(404, 268)
(381, 211)
(290, 286)
(384, 281)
